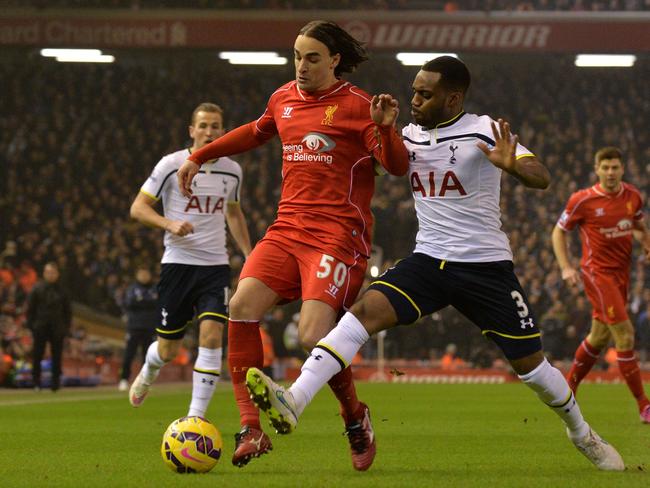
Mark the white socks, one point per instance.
(205, 377)
(152, 364)
(332, 354)
(551, 387)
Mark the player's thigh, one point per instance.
(607, 296)
(490, 295)
(274, 266)
(416, 286)
(599, 334)
(175, 300)
(211, 293)
(329, 279)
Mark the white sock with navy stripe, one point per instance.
(205, 377)
(332, 354)
(552, 388)
(152, 364)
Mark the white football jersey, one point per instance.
(217, 183)
(457, 190)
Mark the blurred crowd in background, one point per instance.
(77, 142)
(440, 5)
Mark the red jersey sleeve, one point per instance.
(387, 147)
(573, 212)
(638, 213)
(241, 139)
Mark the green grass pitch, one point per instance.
(427, 435)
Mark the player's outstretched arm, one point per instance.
(239, 140)
(642, 234)
(238, 228)
(560, 248)
(391, 152)
(142, 210)
(529, 170)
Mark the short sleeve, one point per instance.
(235, 194)
(265, 124)
(573, 212)
(638, 214)
(159, 179)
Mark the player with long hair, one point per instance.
(332, 134)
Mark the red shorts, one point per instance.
(607, 292)
(295, 270)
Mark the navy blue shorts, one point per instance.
(186, 291)
(488, 294)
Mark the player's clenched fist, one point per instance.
(180, 228)
(185, 175)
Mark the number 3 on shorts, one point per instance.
(325, 269)
(521, 305)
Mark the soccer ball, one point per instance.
(191, 445)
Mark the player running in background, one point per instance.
(332, 134)
(195, 276)
(461, 258)
(608, 214)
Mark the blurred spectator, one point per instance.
(291, 340)
(140, 304)
(643, 333)
(553, 325)
(449, 360)
(49, 318)
(269, 353)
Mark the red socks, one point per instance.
(629, 367)
(244, 351)
(343, 387)
(585, 357)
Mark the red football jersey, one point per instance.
(606, 223)
(327, 167)
(329, 145)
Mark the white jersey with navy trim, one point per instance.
(457, 190)
(217, 183)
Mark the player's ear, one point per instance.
(336, 59)
(454, 98)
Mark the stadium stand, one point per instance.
(77, 141)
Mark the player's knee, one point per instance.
(239, 307)
(168, 350)
(624, 341)
(623, 335)
(308, 340)
(211, 333)
(598, 342)
(374, 312)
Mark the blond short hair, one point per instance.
(206, 107)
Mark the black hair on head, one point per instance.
(454, 75)
(338, 41)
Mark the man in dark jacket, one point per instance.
(48, 317)
(140, 304)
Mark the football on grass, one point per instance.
(191, 445)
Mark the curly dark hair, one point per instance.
(338, 41)
(454, 75)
